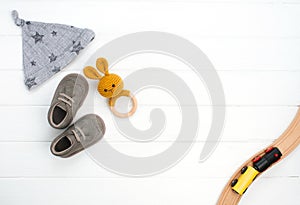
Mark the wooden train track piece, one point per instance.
(286, 143)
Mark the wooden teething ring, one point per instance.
(112, 102)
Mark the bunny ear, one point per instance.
(102, 65)
(91, 73)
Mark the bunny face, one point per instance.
(110, 85)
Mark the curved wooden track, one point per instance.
(286, 143)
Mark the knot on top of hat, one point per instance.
(18, 21)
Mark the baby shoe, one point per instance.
(82, 134)
(67, 99)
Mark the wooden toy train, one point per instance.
(249, 173)
(261, 162)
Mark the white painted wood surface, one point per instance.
(254, 45)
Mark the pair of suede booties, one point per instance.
(88, 130)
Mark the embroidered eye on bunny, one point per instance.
(110, 86)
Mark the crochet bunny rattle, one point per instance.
(110, 86)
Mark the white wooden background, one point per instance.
(254, 45)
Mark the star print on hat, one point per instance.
(48, 48)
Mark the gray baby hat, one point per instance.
(48, 48)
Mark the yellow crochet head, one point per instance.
(110, 85)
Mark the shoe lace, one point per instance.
(76, 132)
(65, 98)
